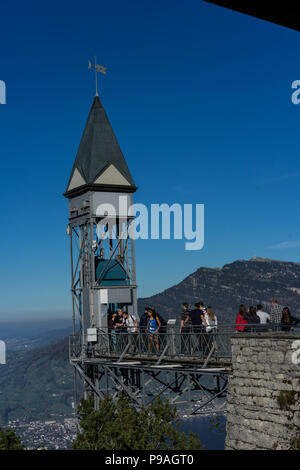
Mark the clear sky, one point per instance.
(200, 100)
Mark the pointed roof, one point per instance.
(99, 164)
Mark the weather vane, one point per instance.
(98, 68)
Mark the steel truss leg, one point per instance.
(87, 380)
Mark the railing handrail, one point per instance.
(171, 342)
(223, 327)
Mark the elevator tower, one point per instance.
(99, 191)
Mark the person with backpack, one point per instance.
(163, 322)
(153, 326)
(264, 317)
(163, 328)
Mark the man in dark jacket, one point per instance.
(198, 324)
(197, 315)
(143, 321)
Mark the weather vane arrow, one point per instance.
(98, 68)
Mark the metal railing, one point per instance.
(193, 342)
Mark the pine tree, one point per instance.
(9, 440)
(120, 426)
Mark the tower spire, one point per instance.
(100, 164)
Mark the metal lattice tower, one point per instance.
(102, 253)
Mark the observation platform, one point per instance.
(190, 369)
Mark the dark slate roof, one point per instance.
(98, 149)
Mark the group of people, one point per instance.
(201, 319)
(151, 323)
(198, 326)
(152, 327)
(255, 318)
(121, 322)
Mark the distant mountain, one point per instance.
(248, 282)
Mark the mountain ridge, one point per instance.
(252, 281)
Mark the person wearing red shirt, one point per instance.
(241, 322)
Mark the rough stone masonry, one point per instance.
(263, 400)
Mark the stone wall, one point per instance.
(263, 401)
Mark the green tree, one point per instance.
(120, 426)
(9, 440)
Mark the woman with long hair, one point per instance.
(252, 319)
(153, 326)
(287, 320)
(210, 328)
(241, 322)
(211, 320)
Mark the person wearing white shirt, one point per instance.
(130, 322)
(211, 320)
(211, 324)
(132, 328)
(263, 316)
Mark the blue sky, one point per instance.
(200, 100)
